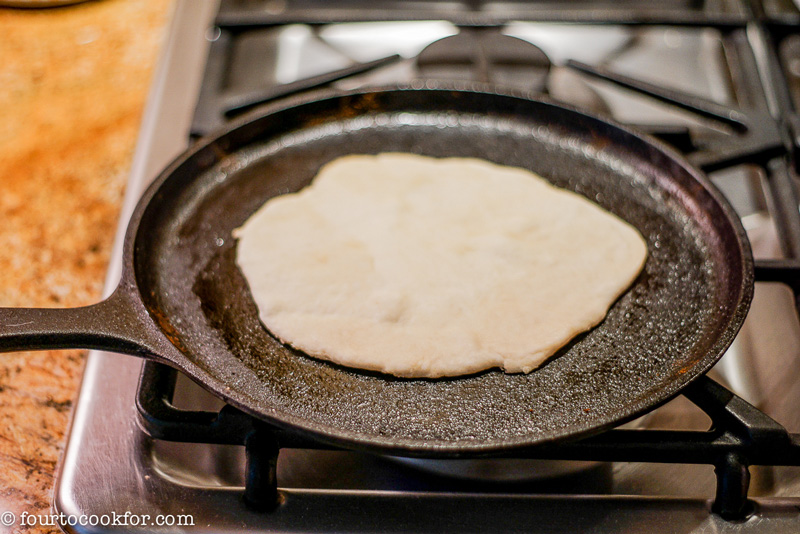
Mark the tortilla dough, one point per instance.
(424, 267)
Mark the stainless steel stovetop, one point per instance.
(112, 465)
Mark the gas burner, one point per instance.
(486, 55)
(489, 56)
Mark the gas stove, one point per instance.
(718, 80)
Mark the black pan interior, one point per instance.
(672, 324)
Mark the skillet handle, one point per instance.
(110, 325)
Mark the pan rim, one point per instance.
(415, 446)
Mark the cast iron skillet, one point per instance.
(182, 300)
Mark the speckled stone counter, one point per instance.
(73, 84)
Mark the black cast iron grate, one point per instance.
(762, 131)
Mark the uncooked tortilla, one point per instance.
(425, 267)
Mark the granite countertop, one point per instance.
(73, 84)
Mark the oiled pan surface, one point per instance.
(674, 322)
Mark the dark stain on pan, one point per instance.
(168, 329)
(666, 322)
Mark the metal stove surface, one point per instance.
(111, 465)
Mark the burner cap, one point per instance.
(486, 55)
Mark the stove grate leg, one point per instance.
(261, 481)
(733, 481)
